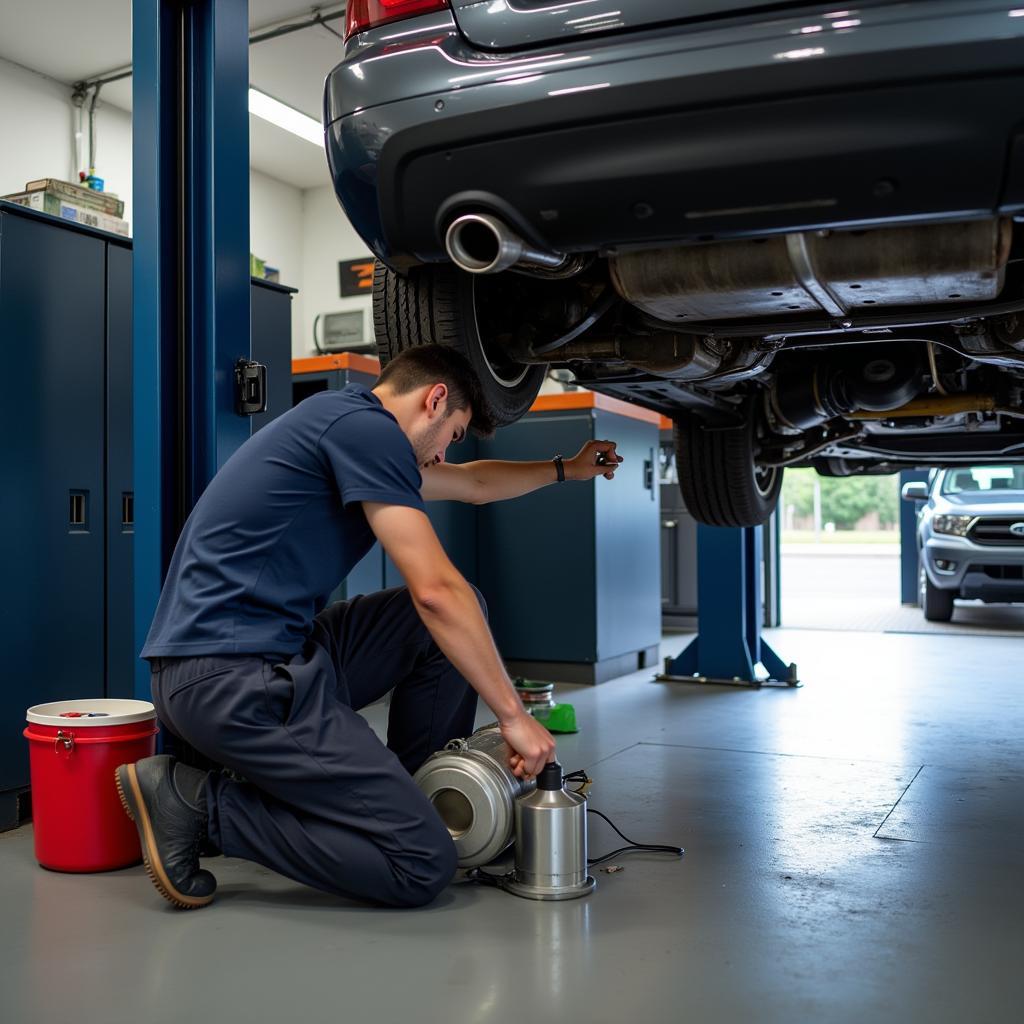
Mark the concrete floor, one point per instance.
(854, 853)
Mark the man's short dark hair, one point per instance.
(441, 364)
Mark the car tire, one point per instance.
(437, 305)
(720, 482)
(937, 604)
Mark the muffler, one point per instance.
(481, 243)
(473, 789)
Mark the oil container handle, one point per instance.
(65, 738)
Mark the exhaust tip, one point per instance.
(480, 244)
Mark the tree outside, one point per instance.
(848, 503)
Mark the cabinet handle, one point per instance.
(78, 511)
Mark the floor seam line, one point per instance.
(895, 805)
(771, 753)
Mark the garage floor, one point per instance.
(854, 852)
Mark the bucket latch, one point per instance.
(65, 739)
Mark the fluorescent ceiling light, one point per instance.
(288, 118)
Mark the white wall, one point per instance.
(327, 237)
(302, 233)
(275, 236)
(37, 122)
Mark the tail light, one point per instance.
(364, 14)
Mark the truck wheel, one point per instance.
(720, 482)
(442, 305)
(936, 604)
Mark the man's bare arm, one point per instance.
(491, 480)
(449, 609)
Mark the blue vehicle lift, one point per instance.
(190, 318)
(728, 648)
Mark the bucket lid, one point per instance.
(85, 713)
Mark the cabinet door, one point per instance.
(537, 552)
(271, 316)
(120, 506)
(628, 544)
(51, 513)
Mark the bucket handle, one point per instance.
(67, 741)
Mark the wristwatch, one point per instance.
(559, 468)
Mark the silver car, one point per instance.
(970, 534)
(795, 228)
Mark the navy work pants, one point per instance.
(325, 802)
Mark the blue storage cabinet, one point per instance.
(52, 513)
(271, 344)
(571, 572)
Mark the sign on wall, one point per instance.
(355, 277)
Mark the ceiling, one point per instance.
(95, 38)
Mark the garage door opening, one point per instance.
(841, 560)
(840, 551)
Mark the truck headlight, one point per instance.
(956, 525)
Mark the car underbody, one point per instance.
(859, 351)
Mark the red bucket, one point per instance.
(74, 748)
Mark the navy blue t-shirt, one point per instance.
(280, 526)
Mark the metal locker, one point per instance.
(52, 299)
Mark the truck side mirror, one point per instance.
(915, 491)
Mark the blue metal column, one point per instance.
(728, 647)
(909, 557)
(191, 267)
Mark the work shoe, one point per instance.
(167, 802)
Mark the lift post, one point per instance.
(190, 318)
(728, 647)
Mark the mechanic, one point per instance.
(253, 669)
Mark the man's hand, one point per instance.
(531, 744)
(595, 458)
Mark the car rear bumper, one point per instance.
(680, 134)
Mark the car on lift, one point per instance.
(970, 537)
(793, 229)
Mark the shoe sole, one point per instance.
(128, 790)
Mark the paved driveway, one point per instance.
(858, 587)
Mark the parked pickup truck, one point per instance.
(970, 535)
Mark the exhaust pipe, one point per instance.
(480, 243)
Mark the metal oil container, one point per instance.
(551, 842)
(473, 789)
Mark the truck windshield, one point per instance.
(984, 478)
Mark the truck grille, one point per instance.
(996, 531)
(1004, 572)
